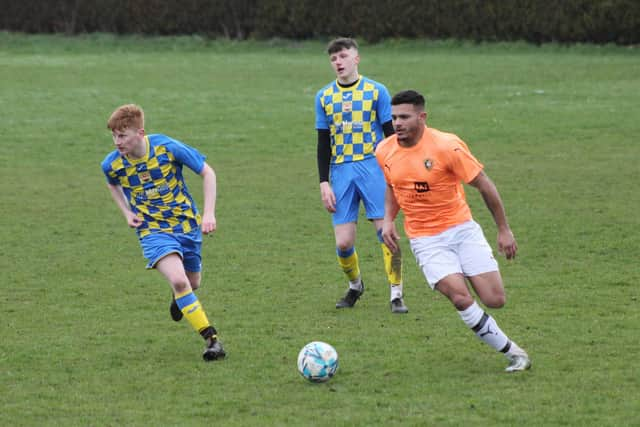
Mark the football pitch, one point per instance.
(86, 338)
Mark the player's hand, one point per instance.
(390, 235)
(133, 220)
(507, 243)
(328, 197)
(209, 224)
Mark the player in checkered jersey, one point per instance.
(353, 113)
(144, 177)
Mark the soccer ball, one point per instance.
(317, 361)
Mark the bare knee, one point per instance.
(461, 301)
(180, 285)
(489, 288)
(172, 269)
(455, 289)
(345, 236)
(194, 279)
(497, 300)
(344, 245)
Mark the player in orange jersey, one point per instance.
(424, 170)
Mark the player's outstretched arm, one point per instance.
(118, 196)
(324, 161)
(506, 242)
(210, 190)
(390, 234)
(328, 197)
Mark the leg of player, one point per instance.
(194, 279)
(172, 268)
(485, 327)
(348, 260)
(174, 310)
(393, 268)
(489, 288)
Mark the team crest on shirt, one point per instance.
(145, 176)
(428, 164)
(347, 104)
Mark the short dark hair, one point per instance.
(336, 45)
(408, 97)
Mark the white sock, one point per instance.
(485, 327)
(471, 315)
(396, 291)
(356, 284)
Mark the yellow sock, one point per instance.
(392, 265)
(192, 310)
(348, 261)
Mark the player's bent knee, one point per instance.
(180, 286)
(461, 301)
(343, 245)
(495, 301)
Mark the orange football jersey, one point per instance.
(427, 180)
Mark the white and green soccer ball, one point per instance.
(318, 361)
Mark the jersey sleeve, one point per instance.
(186, 155)
(107, 169)
(384, 105)
(321, 116)
(463, 164)
(381, 154)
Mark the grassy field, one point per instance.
(86, 338)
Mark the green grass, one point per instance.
(85, 332)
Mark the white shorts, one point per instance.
(459, 249)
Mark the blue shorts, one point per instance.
(156, 246)
(353, 182)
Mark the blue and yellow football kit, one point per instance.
(157, 193)
(354, 116)
(155, 187)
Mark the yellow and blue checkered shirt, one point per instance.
(155, 187)
(354, 116)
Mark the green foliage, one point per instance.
(86, 333)
(536, 21)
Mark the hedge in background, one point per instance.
(537, 21)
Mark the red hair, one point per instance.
(125, 117)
